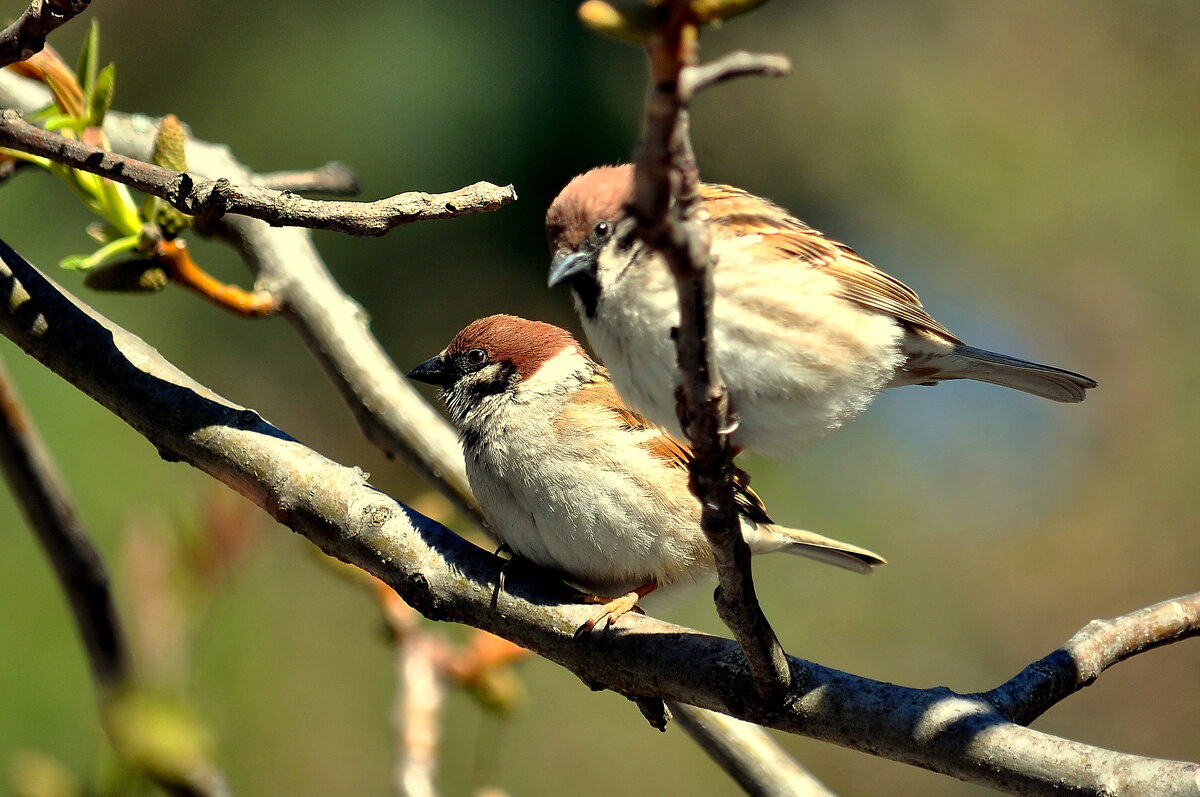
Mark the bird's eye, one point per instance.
(476, 358)
(601, 229)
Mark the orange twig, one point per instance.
(175, 258)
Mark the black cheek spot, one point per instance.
(588, 290)
(505, 379)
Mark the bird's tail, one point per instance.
(765, 538)
(1056, 384)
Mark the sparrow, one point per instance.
(805, 332)
(573, 480)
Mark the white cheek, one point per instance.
(559, 370)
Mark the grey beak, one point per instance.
(568, 266)
(432, 372)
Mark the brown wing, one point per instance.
(734, 213)
(672, 452)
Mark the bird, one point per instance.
(805, 332)
(573, 480)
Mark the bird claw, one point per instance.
(610, 611)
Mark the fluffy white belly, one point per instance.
(584, 517)
(794, 372)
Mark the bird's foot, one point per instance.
(611, 609)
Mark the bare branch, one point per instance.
(27, 36)
(420, 692)
(666, 168)
(42, 495)
(446, 578)
(212, 199)
(334, 177)
(39, 490)
(739, 63)
(1096, 647)
(390, 412)
(748, 754)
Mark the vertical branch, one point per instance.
(42, 495)
(666, 170)
(420, 690)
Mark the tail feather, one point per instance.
(765, 538)
(1046, 381)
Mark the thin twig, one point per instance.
(334, 177)
(183, 270)
(27, 35)
(666, 169)
(39, 489)
(420, 693)
(390, 412)
(446, 578)
(739, 63)
(1096, 647)
(748, 754)
(212, 199)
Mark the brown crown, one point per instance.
(526, 344)
(602, 193)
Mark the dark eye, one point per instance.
(476, 359)
(602, 229)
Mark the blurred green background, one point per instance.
(1030, 168)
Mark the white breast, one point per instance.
(798, 360)
(567, 497)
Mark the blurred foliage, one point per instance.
(1030, 168)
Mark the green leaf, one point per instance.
(105, 254)
(159, 735)
(74, 262)
(101, 97)
(89, 59)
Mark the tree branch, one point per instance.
(38, 488)
(417, 708)
(387, 408)
(739, 63)
(666, 170)
(334, 177)
(212, 199)
(1096, 647)
(748, 754)
(390, 412)
(27, 35)
(446, 578)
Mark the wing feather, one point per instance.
(672, 452)
(734, 213)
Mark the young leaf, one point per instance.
(101, 97)
(111, 251)
(89, 59)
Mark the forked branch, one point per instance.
(446, 578)
(212, 199)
